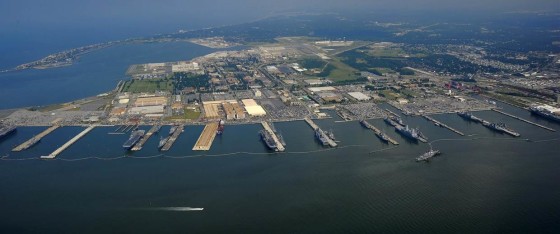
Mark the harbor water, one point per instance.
(482, 182)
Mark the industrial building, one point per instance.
(142, 110)
(150, 101)
(359, 96)
(211, 110)
(252, 108)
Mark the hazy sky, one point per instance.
(196, 13)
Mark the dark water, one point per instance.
(494, 184)
(94, 73)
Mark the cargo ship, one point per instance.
(501, 127)
(6, 130)
(547, 112)
(133, 139)
(268, 140)
(469, 116)
(220, 127)
(426, 156)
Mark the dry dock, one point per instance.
(69, 143)
(440, 124)
(279, 144)
(524, 120)
(207, 136)
(172, 138)
(138, 146)
(34, 140)
(315, 127)
(378, 132)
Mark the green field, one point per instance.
(147, 86)
(189, 114)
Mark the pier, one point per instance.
(69, 143)
(524, 120)
(440, 124)
(173, 138)
(391, 112)
(34, 140)
(378, 132)
(279, 144)
(315, 127)
(207, 136)
(138, 146)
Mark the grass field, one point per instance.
(342, 72)
(147, 86)
(189, 114)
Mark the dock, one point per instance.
(378, 132)
(524, 120)
(138, 146)
(173, 138)
(440, 124)
(279, 144)
(35, 139)
(207, 136)
(315, 127)
(69, 143)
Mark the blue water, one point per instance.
(482, 183)
(92, 74)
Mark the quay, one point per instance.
(440, 124)
(138, 146)
(315, 127)
(69, 143)
(524, 120)
(34, 140)
(173, 138)
(391, 112)
(279, 144)
(378, 132)
(207, 136)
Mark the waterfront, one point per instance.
(495, 183)
(94, 73)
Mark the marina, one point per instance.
(177, 130)
(378, 133)
(35, 139)
(524, 120)
(207, 136)
(320, 134)
(153, 130)
(440, 124)
(69, 143)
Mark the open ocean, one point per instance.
(482, 183)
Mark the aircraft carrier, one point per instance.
(133, 139)
(6, 130)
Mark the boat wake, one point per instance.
(177, 208)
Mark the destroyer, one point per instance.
(426, 156)
(469, 116)
(133, 139)
(162, 142)
(501, 127)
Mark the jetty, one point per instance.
(138, 146)
(314, 126)
(173, 138)
(440, 124)
(524, 120)
(207, 136)
(378, 132)
(35, 139)
(69, 143)
(279, 144)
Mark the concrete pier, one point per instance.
(378, 132)
(69, 143)
(173, 138)
(524, 120)
(315, 127)
(207, 136)
(34, 140)
(138, 146)
(279, 144)
(440, 124)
